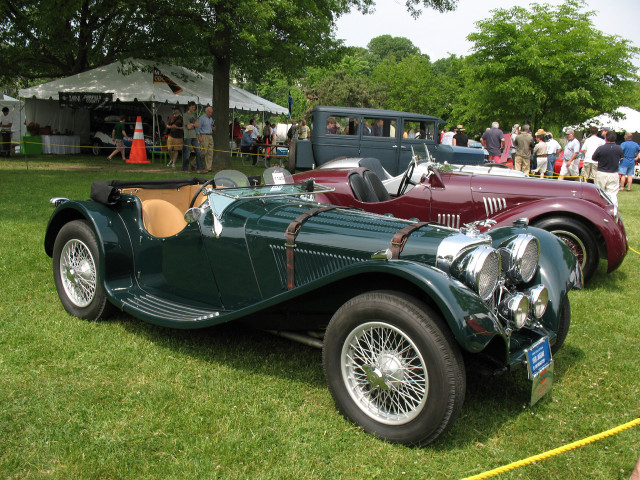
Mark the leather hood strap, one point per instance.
(400, 238)
(290, 235)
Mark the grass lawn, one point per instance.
(122, 399)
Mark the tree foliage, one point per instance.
(44, 39)
(547, 65)
(396, 48)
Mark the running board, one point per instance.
(159, 310)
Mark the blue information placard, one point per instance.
(538, 357)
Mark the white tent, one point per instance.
(6, 100)
(131, 81)
(629, 121)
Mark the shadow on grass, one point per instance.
(490, 402)
(238, 346)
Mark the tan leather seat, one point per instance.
(162, 218)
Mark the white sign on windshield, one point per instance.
(278, 178)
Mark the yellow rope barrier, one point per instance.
(146, 146)
(555, 451)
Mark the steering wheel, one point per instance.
(225, 182)
(406, 178)
(202, 187)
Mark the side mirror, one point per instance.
(193, 215)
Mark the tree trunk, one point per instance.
(221, 74)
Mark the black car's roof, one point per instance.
(374, 112)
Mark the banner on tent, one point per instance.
(84, 99)
(159, 77)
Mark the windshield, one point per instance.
(231, 186)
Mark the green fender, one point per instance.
(115, 252)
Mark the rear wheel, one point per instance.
(579, 240)
(76, 272)
(393, 367)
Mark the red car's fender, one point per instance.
(611, 238)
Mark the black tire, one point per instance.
(413, 388)
(578, 238)
(563, 325)
(96, 148)
(76, 272)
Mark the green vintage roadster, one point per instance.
(401, 309)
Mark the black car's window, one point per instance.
(419, 130)
(338, 125)
(379, 127)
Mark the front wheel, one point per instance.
(393, 367)
(578, 238)
(76, 272)
(563, 324)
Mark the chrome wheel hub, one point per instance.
(384, 373)
(78, 273)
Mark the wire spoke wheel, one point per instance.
(385, 373)
(78, 273)
(574, 243)
(76, 264)
(393, 367)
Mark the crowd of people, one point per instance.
(190, 133)
(605, 163)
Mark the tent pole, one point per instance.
(154, 124)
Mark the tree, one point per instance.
(405, 83)
(547, 65)
(44, 39)
(386, 46)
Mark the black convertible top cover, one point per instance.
(107, 192)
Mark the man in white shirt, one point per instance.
(6, 122)
(570, 162)
(553, 147)
(447, 137)
(588, 147)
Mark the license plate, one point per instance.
(540, 365)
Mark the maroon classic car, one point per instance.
(581, 214)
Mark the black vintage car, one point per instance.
(399, 308)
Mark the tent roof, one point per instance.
(628, 122)
(132, 80)
(7, 99)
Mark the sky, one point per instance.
(441, 34)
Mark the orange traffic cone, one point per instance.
(138, 153)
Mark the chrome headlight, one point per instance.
(520, 258)
(479, 269)
(538, 299)
(515, 308)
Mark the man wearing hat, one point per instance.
(247, 143)
(460, 138)
(589, 146)
(540, 153)
(176, 132)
